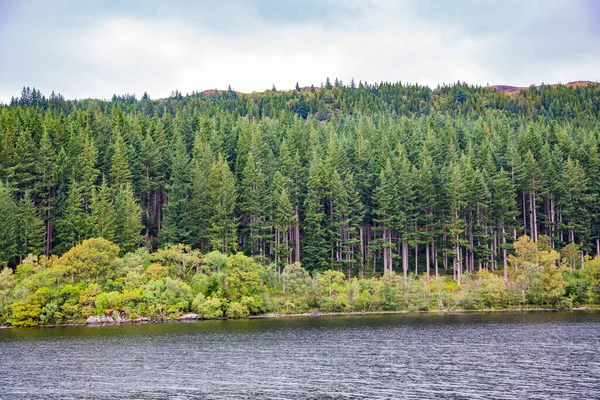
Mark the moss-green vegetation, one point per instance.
(92, 279)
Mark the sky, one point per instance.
(94, 49)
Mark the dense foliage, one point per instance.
(358, 179)
(91, 279)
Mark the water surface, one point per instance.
(537, 355)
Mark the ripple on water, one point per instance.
(474, 356)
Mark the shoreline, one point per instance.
(194, 318)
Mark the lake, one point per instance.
(538, 355)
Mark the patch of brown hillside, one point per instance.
(511, 90)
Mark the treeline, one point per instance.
(91, 279)
(360, 178)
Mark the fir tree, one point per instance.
(222, 199)
(120, 170)
(386, 212)
(128, 225)
(176, 227)
(103, 212)
(8, 222)
(315, 254)
(252, 203)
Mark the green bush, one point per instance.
(207, 307)
(237, 310)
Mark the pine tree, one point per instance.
(85, 172)
(103, 212)
(351, 213)
(504, 212)
(8, 222)
(30, 234)
(73, 225)
(177, 220)
(530, 181)
(426, 189)
(183, 127)
(252, 203)
(222, 199)
(46, 189)
(386, 212)
(8, 158)
(128, 226)
(456, 223)
(200, 196)
(576, 202)
(23, 174)
(284, 221)
(120, 170)
(315, 255)
(151, 179)
(406, 203)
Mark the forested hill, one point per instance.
(360, 178)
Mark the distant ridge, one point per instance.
(514, 89)
(508, 89)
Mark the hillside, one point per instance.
(513, 89)
(366, 197)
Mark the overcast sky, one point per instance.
(98, 48)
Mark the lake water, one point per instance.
(538, 355)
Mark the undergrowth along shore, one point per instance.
(93, 282)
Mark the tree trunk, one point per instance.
(405, 258)
(504, 255)
(297, 237)
(427, 258)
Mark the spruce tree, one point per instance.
(103, 212)
(23, 174)
(314, 251)
(222, 198)
(201, 209)
(386, 212)
(120, 170)
(504, 212)
(30, 233)
(46, 187)
(73, 225)
(128, 225)
(176, 228)
(85, 172)
(284, 221)
(8, 222)
(252, 202)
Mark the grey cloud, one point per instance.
(84, 49)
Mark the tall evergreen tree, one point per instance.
(8, 222)
(252, 202)
(120, 170)
(73, 225)
(30, 234)
(386, 212)
(103, 212)
(23, 174)
(46, 188)
(222, 199)
(177, 227)
(504, 212)
(201, 208)
(315, 254)
(128, 225)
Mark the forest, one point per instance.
(357, 197)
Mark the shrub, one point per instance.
(207, 307)
(237, 310)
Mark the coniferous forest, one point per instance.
(337, 198)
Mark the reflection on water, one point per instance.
(543, 355)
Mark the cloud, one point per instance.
(158, 47)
